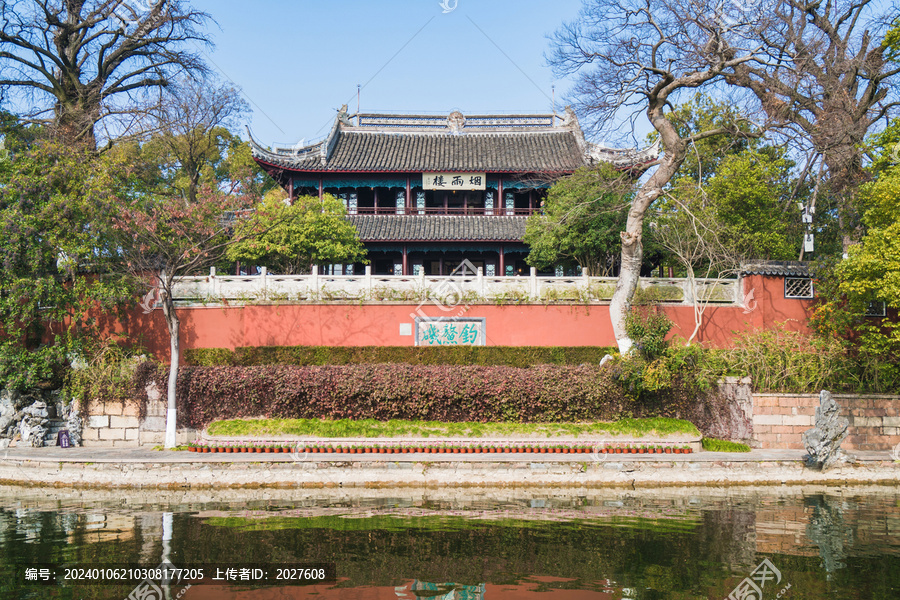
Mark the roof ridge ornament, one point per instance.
(344, 116)
(455, 122)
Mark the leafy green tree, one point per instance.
(704, 156)
(871, 273)
(872, 269)
(743, 189)
(581, 220)
(751, 194)
(296, 236)
(57, 252)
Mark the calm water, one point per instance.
(683, 544)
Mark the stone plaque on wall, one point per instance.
(450, 331)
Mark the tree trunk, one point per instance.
(699, 305)
(629, 275)
(632, 243)
(77, 112)
(175, 357)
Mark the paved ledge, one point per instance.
(145, 455)
(110, 468)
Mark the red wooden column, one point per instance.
(502, 262)
(321, 188)
(291, 191)
(408, 197)
(405, 261)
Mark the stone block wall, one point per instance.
(779, 420)
(118, 424)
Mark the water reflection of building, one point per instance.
(440, 591)
(425, 192)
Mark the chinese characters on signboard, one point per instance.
(453, 181)
(450, 331)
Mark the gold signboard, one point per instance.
(453, 181)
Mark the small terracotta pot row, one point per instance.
(637, 450)
(447, 450)
(239, 449)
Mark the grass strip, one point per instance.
(369, 428)
(714, 445)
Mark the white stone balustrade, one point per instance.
(315, 287)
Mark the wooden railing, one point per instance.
(440, 210)
(470, 287)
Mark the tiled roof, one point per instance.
(478, 143)
(552, 151)
(416, 228)
(777, 268)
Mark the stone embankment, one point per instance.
(112, 468)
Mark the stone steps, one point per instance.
(53, 428)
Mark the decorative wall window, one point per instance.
(876, 309)
(489, 203)
(798, 287)
(510, 271)
(401, 203)
(510, 203)
(560, 271)
(398, 269)
(417, 270)
(490, 269)
(420, 202)
(348, 270)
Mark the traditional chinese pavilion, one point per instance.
(426, 192)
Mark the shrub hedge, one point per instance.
(526, 356)
(545, 393)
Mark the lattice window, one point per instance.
(798, 287)
(876, 309)
(420, 202)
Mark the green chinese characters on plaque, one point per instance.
(450, 331)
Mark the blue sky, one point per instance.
(297, 62)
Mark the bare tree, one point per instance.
(194, 124)
(823, 71)
(90, 61)
(640, 55)
(694, 236)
